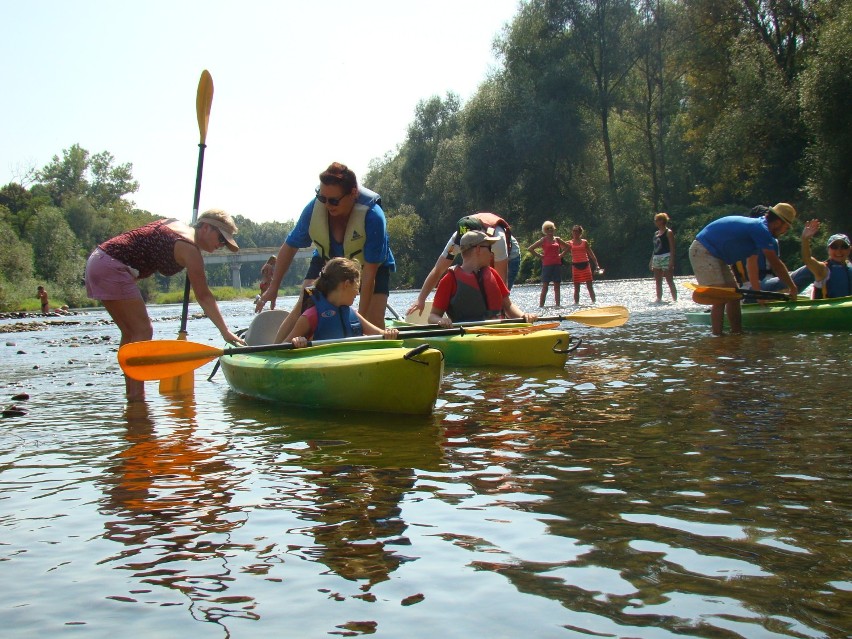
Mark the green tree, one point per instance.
(79, 174)
(57, 254)
(604, 35)
(826, 93)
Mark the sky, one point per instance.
(297, 85)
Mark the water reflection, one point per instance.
(342, 480)
(168, 502)
(665, 483)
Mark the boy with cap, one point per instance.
(506, 253)
(735, 238)
(832, 278)
(473, 291)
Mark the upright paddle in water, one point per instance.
(203, 102)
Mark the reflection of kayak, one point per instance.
(805, 315)
(501, 347)
(377, 376)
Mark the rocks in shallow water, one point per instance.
(20, 397)
(13, 412)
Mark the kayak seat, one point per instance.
(264, 326)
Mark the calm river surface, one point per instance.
(663, 484)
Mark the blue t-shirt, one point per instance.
(734, 238)
(376, 247)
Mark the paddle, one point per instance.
(602, 317)
(203, 103)
(420, 317)
(161, 359)
(721, 295)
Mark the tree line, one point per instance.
(605, 112)
(76, 202)
(600, 113)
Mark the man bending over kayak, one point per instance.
(474, 291)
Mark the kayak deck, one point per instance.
(544, 348)
(833, 314)
(363, 376)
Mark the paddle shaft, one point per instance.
(605, 317)
(203, 103)
(164, 359)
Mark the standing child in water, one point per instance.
(663, 258)
(552, 250)
(327, 313)
(582, 257)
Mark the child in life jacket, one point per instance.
(474, 291)
(833, 277)
(328, 313)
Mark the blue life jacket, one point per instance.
(839, 282)
(333, 322)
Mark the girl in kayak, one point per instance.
(328, 313)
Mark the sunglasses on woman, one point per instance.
(334, 201)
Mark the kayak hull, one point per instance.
(361, 376)
(548, 348)
(808, 315)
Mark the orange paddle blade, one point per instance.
(161, 359)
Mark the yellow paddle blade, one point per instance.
(204, 102)
(160, 359)
(602, 317)
(511, 330)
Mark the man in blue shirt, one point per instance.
(735, 238)
(343, 220)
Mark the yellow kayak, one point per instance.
(504, 346)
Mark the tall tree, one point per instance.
(826, 96)
(79, 174)
(604, 35)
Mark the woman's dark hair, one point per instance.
(336, 271)
(340, 175)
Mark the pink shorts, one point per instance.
(109, 279)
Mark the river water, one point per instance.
(665, 483)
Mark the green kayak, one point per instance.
(806, 315)
(380, 376)
(503, 346)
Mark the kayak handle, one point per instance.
(571, 347)
(414, 352)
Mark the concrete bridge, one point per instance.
(236, 260)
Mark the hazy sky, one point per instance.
(298, 84)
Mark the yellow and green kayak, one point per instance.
(502, 346)
(379, 376)
(833, 314)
